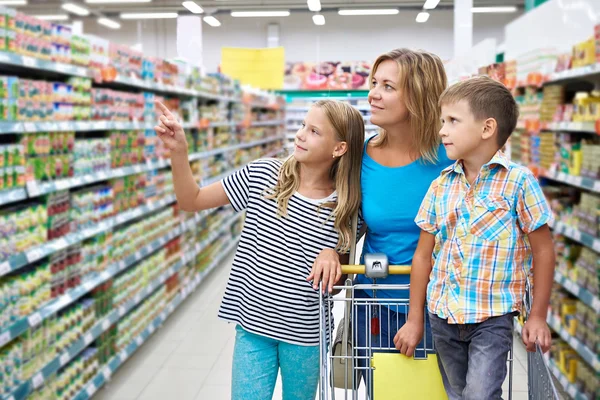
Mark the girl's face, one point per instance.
(316, 141)
(386, 98)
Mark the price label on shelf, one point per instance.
(123, 356)
(4, 338)
(91, 389)
(105, 325)
(34, 254)
(571, 390)
(4, 268)
(137, 298)
(122, 311)
(576, 235)
(595, 306)
(29, 61)
(34, 319)
(107, 373)
(139, 340)
(37, 380)
(64, 359)
(88, 338)
(596, 245)
(138, 255)
(571, 286)
(151, 329)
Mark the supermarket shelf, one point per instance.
(575, 234)
(268, 123)
(585, 352)
(581, 293)
(12, 195)
(34, 63)
(575, 73)
(105, 323)
(78, 126)
(222, 124)
(116, 362)
(569, 387)
(210, 153)
(297, 127)
(20, 260)
(584, 127)
(578, 181)
(305, 109)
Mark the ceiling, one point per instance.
(218, 6)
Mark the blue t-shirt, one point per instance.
(391, 197)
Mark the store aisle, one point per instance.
(190, 356)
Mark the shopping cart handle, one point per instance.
(360, 269)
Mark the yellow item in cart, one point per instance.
(399, 377)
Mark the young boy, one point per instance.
(485, 220)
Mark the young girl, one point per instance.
(294, 209)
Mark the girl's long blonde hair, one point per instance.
(349, 127)
(422, 80)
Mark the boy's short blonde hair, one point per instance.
(487, 98)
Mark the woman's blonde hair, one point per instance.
(349, 127)
(422, 80)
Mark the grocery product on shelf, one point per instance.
(23, 227)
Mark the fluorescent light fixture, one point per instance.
(422, 17)
(482, 10)
(193, 7)
(76, 9)
(431, 4)
(319, 19)
(314, 5)
(383, 11)
(116, 1)
(109, 23)
(56, 17)
(246, 14)
(13, 3)
(212, 21)
(163, 15)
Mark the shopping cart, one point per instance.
(377, 370)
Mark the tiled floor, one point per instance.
(190, 356)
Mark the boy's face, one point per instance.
(461, 133)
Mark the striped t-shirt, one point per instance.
(267, 292)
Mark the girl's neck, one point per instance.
(315, 178)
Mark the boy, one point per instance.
(485, 220)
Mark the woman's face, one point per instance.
(386, 97)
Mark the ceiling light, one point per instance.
(109, 23)
(243, 14)
(481, 10)
(149, 15)
(383, 11)
(212, 21)
(13, 2)
(314, 5)
(431, 4)
(422, 17)
(318, 19)
(193, 7)
(56, 17)
(116, 1)
(76, 9)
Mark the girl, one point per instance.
(294, 208)
(398, 166)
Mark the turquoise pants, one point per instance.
(257, 360)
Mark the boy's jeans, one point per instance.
(473, 356)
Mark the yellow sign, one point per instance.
(260, 68)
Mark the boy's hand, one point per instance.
(408, 337)
(327, 268)
(536, 329)
(170, 131)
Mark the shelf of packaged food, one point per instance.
(581, 293)
(91, 282)
(79, 126)
(116, 362)
(18, 60)
(585, 352)
(273, 153)
(12, 195)
(570, 388)
(583, 127)
(574, 73)
(578, 181)
(576, 235)
(38, 379)
(305, 109)
(267, 123)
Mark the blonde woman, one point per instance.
(398, 166)
(294, 209)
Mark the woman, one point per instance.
(398, 166)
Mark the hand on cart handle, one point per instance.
(326, 268)
(408, 337)
(170, 131)
(535, 331)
